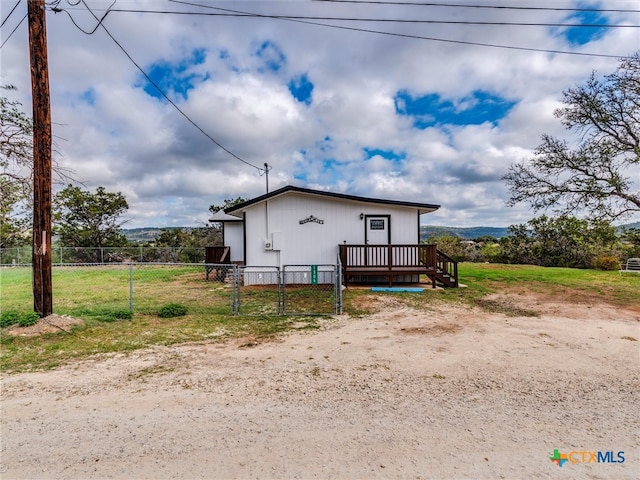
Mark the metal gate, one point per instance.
(310, 290)
(294, 290)
(257, 291)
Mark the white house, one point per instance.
(300, 226)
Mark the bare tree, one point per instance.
(602, 174)
(16, 172)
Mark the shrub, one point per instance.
(123, 314)
(8, 318)
(171, 310)
(28, 319)
(606, 262)
(109, 316)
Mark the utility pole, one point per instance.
(42, 191)
(266, 174)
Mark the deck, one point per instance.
(398, 263)
(219, 256)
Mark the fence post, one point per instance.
(338, 287)
(235, 294)
(282, 293)
(131, 287)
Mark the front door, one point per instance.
(377, 232)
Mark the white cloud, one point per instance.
(114, 134)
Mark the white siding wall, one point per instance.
(313, 243)
(234, 238)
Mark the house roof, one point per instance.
(221, 216)
(422, 207)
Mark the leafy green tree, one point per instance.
(85, 219)
(14, 215)
(559, 242)
(228, 202)
(187, 244)
(16, 144)
(490, 251)
(171, 237)
(205, 236)
(16, 167)
(598, 175)
(450, 245)
(16, 173)
(631, 242)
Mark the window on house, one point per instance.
(376, 224)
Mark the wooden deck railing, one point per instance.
(448, 268)
(394, 261)
(386, 261)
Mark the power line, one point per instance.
(405, 35)
(308, 20)
(156, 86)
(7, 18)
(55, 9)
(372, 20)
(496, 7)
(14, 30)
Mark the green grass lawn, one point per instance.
(97, 294)
(615, 288)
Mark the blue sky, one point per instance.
(389, 116)
(432, 110)
(176, 78)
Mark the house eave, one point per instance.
(421, 207)
(221, 216)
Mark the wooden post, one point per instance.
(42, 192)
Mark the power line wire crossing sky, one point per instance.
(180, 104)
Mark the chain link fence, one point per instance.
(294, 290)
(259, 291)
(79, 255)
(311, 289)
(109, 290)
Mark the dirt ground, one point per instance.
(446, 393)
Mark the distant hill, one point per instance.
(142, 235)
(149, 234)
(468, 233)
(630, 225)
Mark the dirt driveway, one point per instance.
(444, 393)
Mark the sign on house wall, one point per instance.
(310, 219)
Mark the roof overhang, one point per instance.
(221, 216)
(421, 207)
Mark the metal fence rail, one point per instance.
(82, 255)
(106, 289)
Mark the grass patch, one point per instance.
(484, 280)
(172, 310)
(612, 287)
(100, 296)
